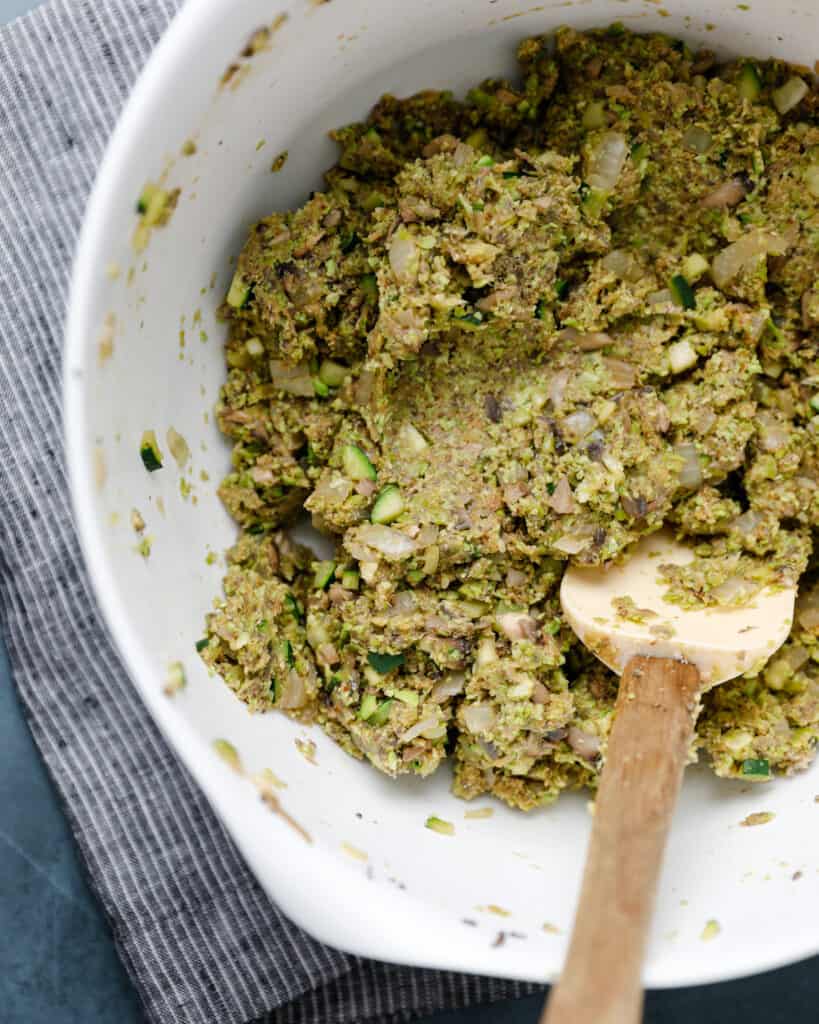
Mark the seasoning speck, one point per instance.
(307, 748)
(279, 161)
(493, 908)
(144, 547)
(228, 753)
(479, 812)
(105, 344)
(100, 469)
(443, 828)
(137, 522)
(711, 930)
(758, 818)
(175, 680)
(178, 447)
(354, 852)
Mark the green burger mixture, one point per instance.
(514, 331)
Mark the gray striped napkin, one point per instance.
(200, 939)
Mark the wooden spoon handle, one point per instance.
(647, 751)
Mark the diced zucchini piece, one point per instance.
(332, 374)
(369, 702)
(202, 644)
(756, 766)
(409, 697)
(385, 663)
(443, 828)
(176, 679)
(286, 652)
(814, 403)
(749, 84)
(484, 161)
(681, 355)
(347, 241)
(592, 200)
(381, 713)
(320, 387)
(412, 439)
(594, 116)
(541, 309)
(369, 286)
(356, 464)
(561, 287)
(479, 138)
(149, 451)
(239, 292)
(155, 202)
(787, 96)
(322, 574)
(349, 579)
(388, 505)
(228, 753)
(682, 292)
(694, 266)
(293, 606)
(373, 199)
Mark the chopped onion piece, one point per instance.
(812, 180)
(623, 375)
(578, 424)
(691, 471)
(747, 522)
(787, 96)
(572, 543)
(557, 388)
(479, 717)
(295, 380)
(449, 686)
(404, 603)
(585, 744)
(771, 432)
(681, 356)
(729, 193)
(403, 255)
(420, 727)
(606, 161)
(562, 500)
(622, 264)
(386, 540)
(734, 257)
(517, 625)
(807, 610)
(293, 692)
(735, 591)
(588, 342)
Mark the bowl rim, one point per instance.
(343, 922)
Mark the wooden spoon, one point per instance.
(667, 660)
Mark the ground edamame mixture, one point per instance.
(514, 331)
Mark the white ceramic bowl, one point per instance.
(327, 65)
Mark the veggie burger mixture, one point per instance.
(515, 331)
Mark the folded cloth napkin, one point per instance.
(200, 940)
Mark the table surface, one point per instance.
(58, 964)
